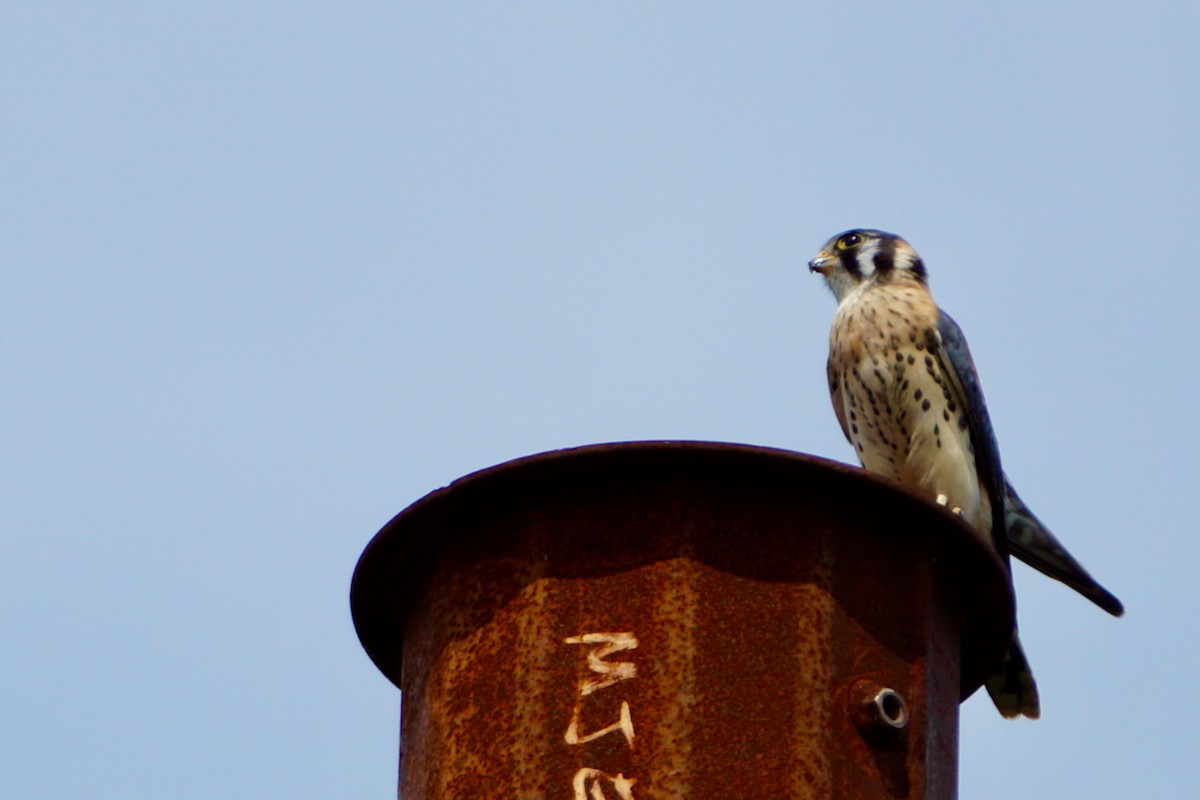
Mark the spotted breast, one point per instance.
(896, 400)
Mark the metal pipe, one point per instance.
(679, 620)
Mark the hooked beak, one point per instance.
(820, 263)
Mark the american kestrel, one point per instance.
(908, 397)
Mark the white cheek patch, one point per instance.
(866, 258)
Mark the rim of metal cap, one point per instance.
(380, 596)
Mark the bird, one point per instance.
(907, 394)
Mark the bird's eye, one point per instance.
(849, 240)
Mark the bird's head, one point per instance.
(857, 257)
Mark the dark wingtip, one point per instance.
(1109, 602)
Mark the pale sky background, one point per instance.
(273, 271)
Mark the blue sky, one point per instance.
(274, 271)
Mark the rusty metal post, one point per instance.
(679, 620)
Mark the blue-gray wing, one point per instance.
(1014, 527)
(1032, 542)
(955, 354)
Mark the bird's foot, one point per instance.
(942, 500)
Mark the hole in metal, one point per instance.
(890, 708)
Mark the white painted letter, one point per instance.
(591, 777)
(609, 673)
(604, 673)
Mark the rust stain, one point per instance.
(666, 620)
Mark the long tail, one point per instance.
(1030, 541)
(1013, 688)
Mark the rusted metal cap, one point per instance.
(680, 619)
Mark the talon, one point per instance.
(956, 510)
(942, 500)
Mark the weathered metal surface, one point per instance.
(679, 620)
